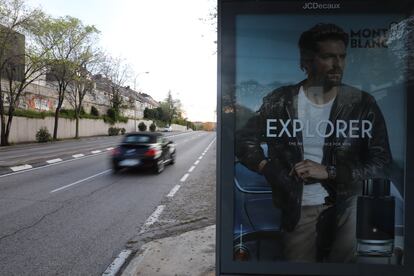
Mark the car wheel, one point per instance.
(159, 166)
(172, 162)
(115, 169)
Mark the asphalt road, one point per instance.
(75, 217)
(36, 152)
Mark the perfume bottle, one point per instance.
(375, 219)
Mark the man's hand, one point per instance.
(309, 170)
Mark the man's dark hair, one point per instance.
(308, 42)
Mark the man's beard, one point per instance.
(329, 80)
(332, 78)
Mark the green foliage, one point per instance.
(142, 126)
(112, 116)
(89, 116)
(67, 113)
(180, 121)
(191, 125)
(64, 113)
(43, 135)
(111, 113)
(123, 119)
(82, 111)
(108, 120)
(32, 114)
(152, 127)
(94, 111)
(113, 131)
(148, 113)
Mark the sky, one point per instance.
(165, 38)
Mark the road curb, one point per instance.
(190, 253)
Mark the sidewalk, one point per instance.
(191, 253)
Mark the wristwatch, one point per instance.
(331, 172)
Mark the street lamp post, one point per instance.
(135, 89)
(135, 79)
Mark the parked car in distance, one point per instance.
(168, 129)
(143, 150)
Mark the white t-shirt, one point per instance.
(311, 115)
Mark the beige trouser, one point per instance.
(300, 245)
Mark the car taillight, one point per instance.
(116, 151)
(241, 253)
(151, 152)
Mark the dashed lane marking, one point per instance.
(152, 219)
(184, 178)
(173, 191)
(191, 169)
(21, 168)
(96, 151)
(54, 161)
(116, 265)
(78, 155)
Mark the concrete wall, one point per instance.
(178, 127)
(24, 129)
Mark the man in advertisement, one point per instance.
(324, 138)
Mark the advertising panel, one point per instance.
(314, 99)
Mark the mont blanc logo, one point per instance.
(319, 6)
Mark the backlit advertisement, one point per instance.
(314, 99)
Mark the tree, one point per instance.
(117, 73)
(171, 108)
(83, 82)
(20, 65)
(67, 40)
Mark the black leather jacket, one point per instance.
(355, 159)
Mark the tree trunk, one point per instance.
(8, 128)
(55, 128)
(3, 140)
(3, 131)
(77, 125)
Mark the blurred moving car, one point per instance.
(168, 129)
(145, 150)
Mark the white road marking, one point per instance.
(78, 155)
(173, 191)
(184, 178)
(54, 161)
(45, 166)
(109, 148)
(20, 168)
(196, 162)
(201, 157)
(113, 268)
(191, 169)
(152, 219)
(80, 181)
(96, 151)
